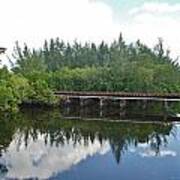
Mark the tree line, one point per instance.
(117, 66)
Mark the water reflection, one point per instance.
(122, 110)
(40, 144)
(42, 161)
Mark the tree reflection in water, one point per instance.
(33, 124)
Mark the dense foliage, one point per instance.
(16, 89)
(105, 67)
(89, 67)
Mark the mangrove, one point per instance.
(117, 66)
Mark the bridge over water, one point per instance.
(106, 100)
(120, 95)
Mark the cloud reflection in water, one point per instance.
(43, 161)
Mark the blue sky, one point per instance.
(125, 5)
(121, 7)
(118, 4)
(32, 21)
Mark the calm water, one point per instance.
(39, 144)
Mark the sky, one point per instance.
(33, 21)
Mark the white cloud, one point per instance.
(43, 161)
(33, 21)
(145, 150)
(153, 20)
(157, 8)
(162, 153)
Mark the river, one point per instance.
(43, 144)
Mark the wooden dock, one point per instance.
(120, 95)
(122, 99)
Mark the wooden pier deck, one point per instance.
(103, 99)
(120, 95)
